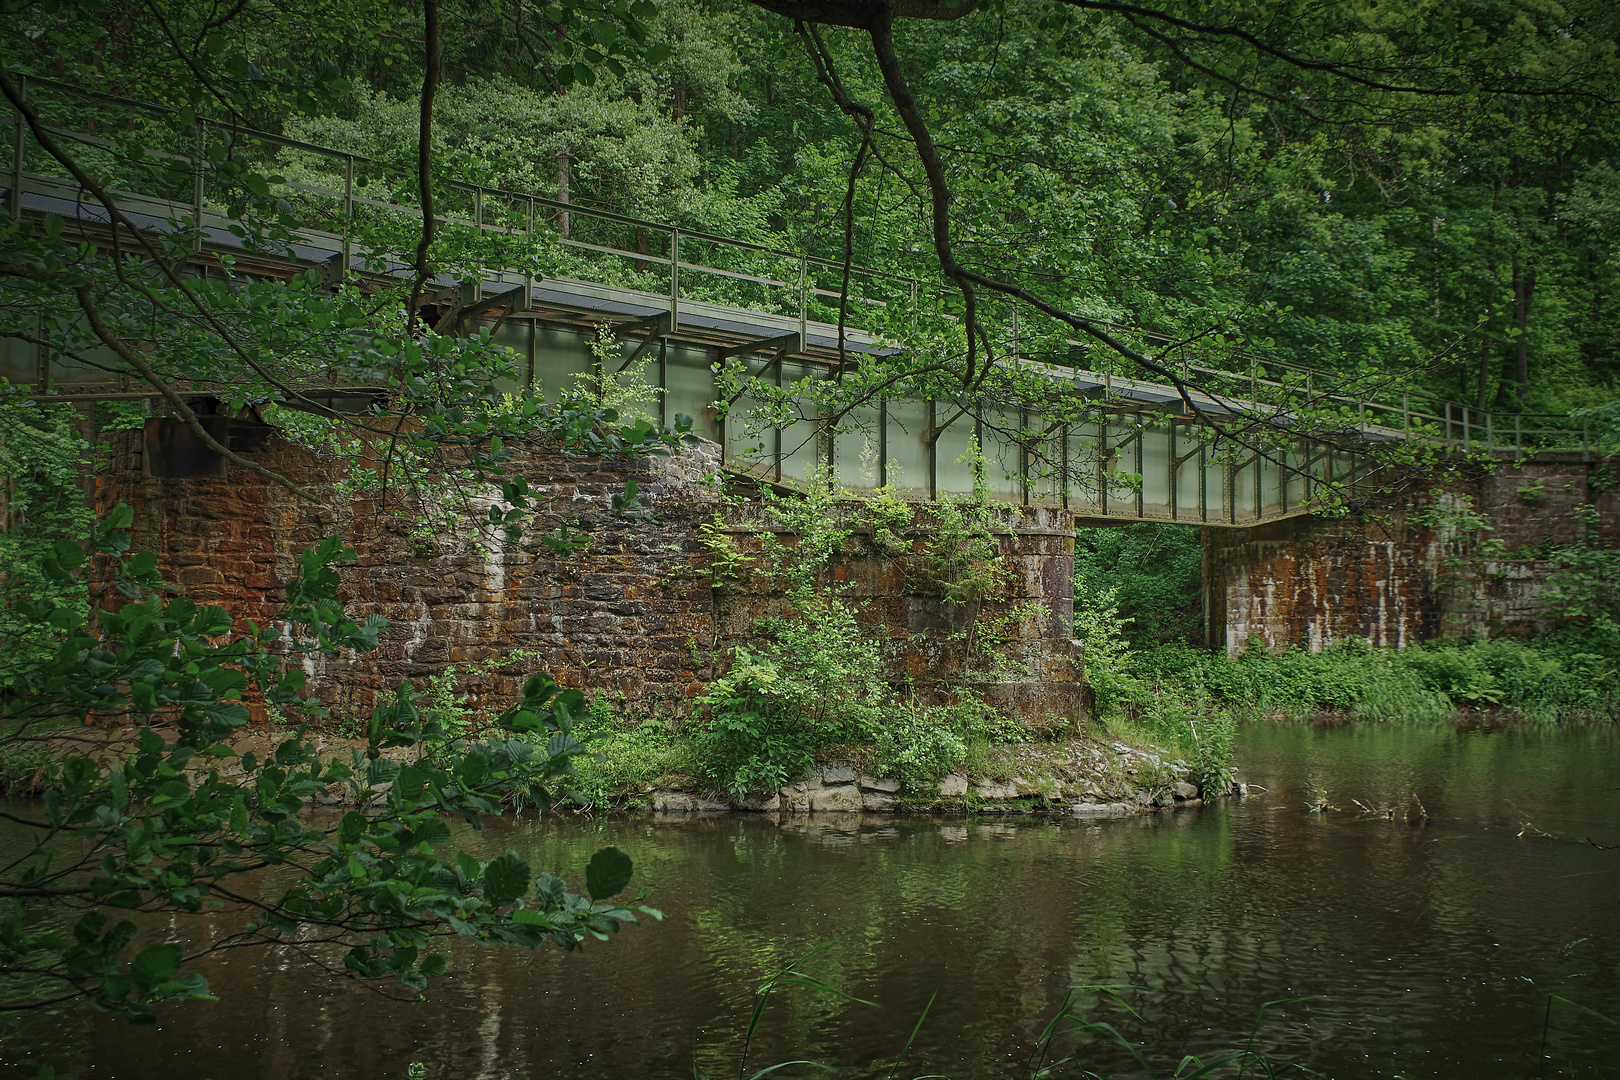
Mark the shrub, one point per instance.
(818, 680)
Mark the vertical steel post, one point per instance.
(1063, 490)
(1203, 482)
(1465, 438)
(1102, 464)
(1023, 455)
(663, 381)
(1259, 487)
(1170, 484)
(883, 442)
(1141, 484)
(933, 450)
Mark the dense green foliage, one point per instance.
(1545, 681)
(1155, 570)
(818, 677)
(43, 461)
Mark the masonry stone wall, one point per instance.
(1392, 578)
(634, 612)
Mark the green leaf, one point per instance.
(351, 828)
(607, 874)
(658, 52)
(506, 879)
(156, 965)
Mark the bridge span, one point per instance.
(691, 303)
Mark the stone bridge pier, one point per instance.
(1469, 559)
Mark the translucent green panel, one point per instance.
(560, 356)
(514, 334)
(1083, 488)
(641, 377)
(907, 458)
(1243, 493)
(690, 388)
(1156, 471)
(751, 442)
(953, 474)
(1044, 465)
(801, 441)
(858, 453)
(1298, 485)
(1189, 475)
(1122, 465)
(19, 361)
(1217, 506)
(68, 371)
(1270, 479)
(1004, 465)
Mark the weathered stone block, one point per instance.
(840, 799)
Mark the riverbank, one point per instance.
(652, 769)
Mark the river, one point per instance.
(1475, 936)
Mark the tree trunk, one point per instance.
(1524, 288)
(562, 193)
(1481, 399)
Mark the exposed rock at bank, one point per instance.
(1082, 777)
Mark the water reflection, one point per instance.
(1427, 948)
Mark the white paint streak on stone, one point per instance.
(420, 626)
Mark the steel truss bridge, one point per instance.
(688, 301)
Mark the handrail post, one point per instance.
(1465, 427)
(804, 302)
(348, 215)
(1406, 411)
(1518, 438)
(197, 183)
(528, 277)
(478, 227)
(1488, 433)
(674, 279)
(17, 145)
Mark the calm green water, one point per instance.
(1428, 949)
